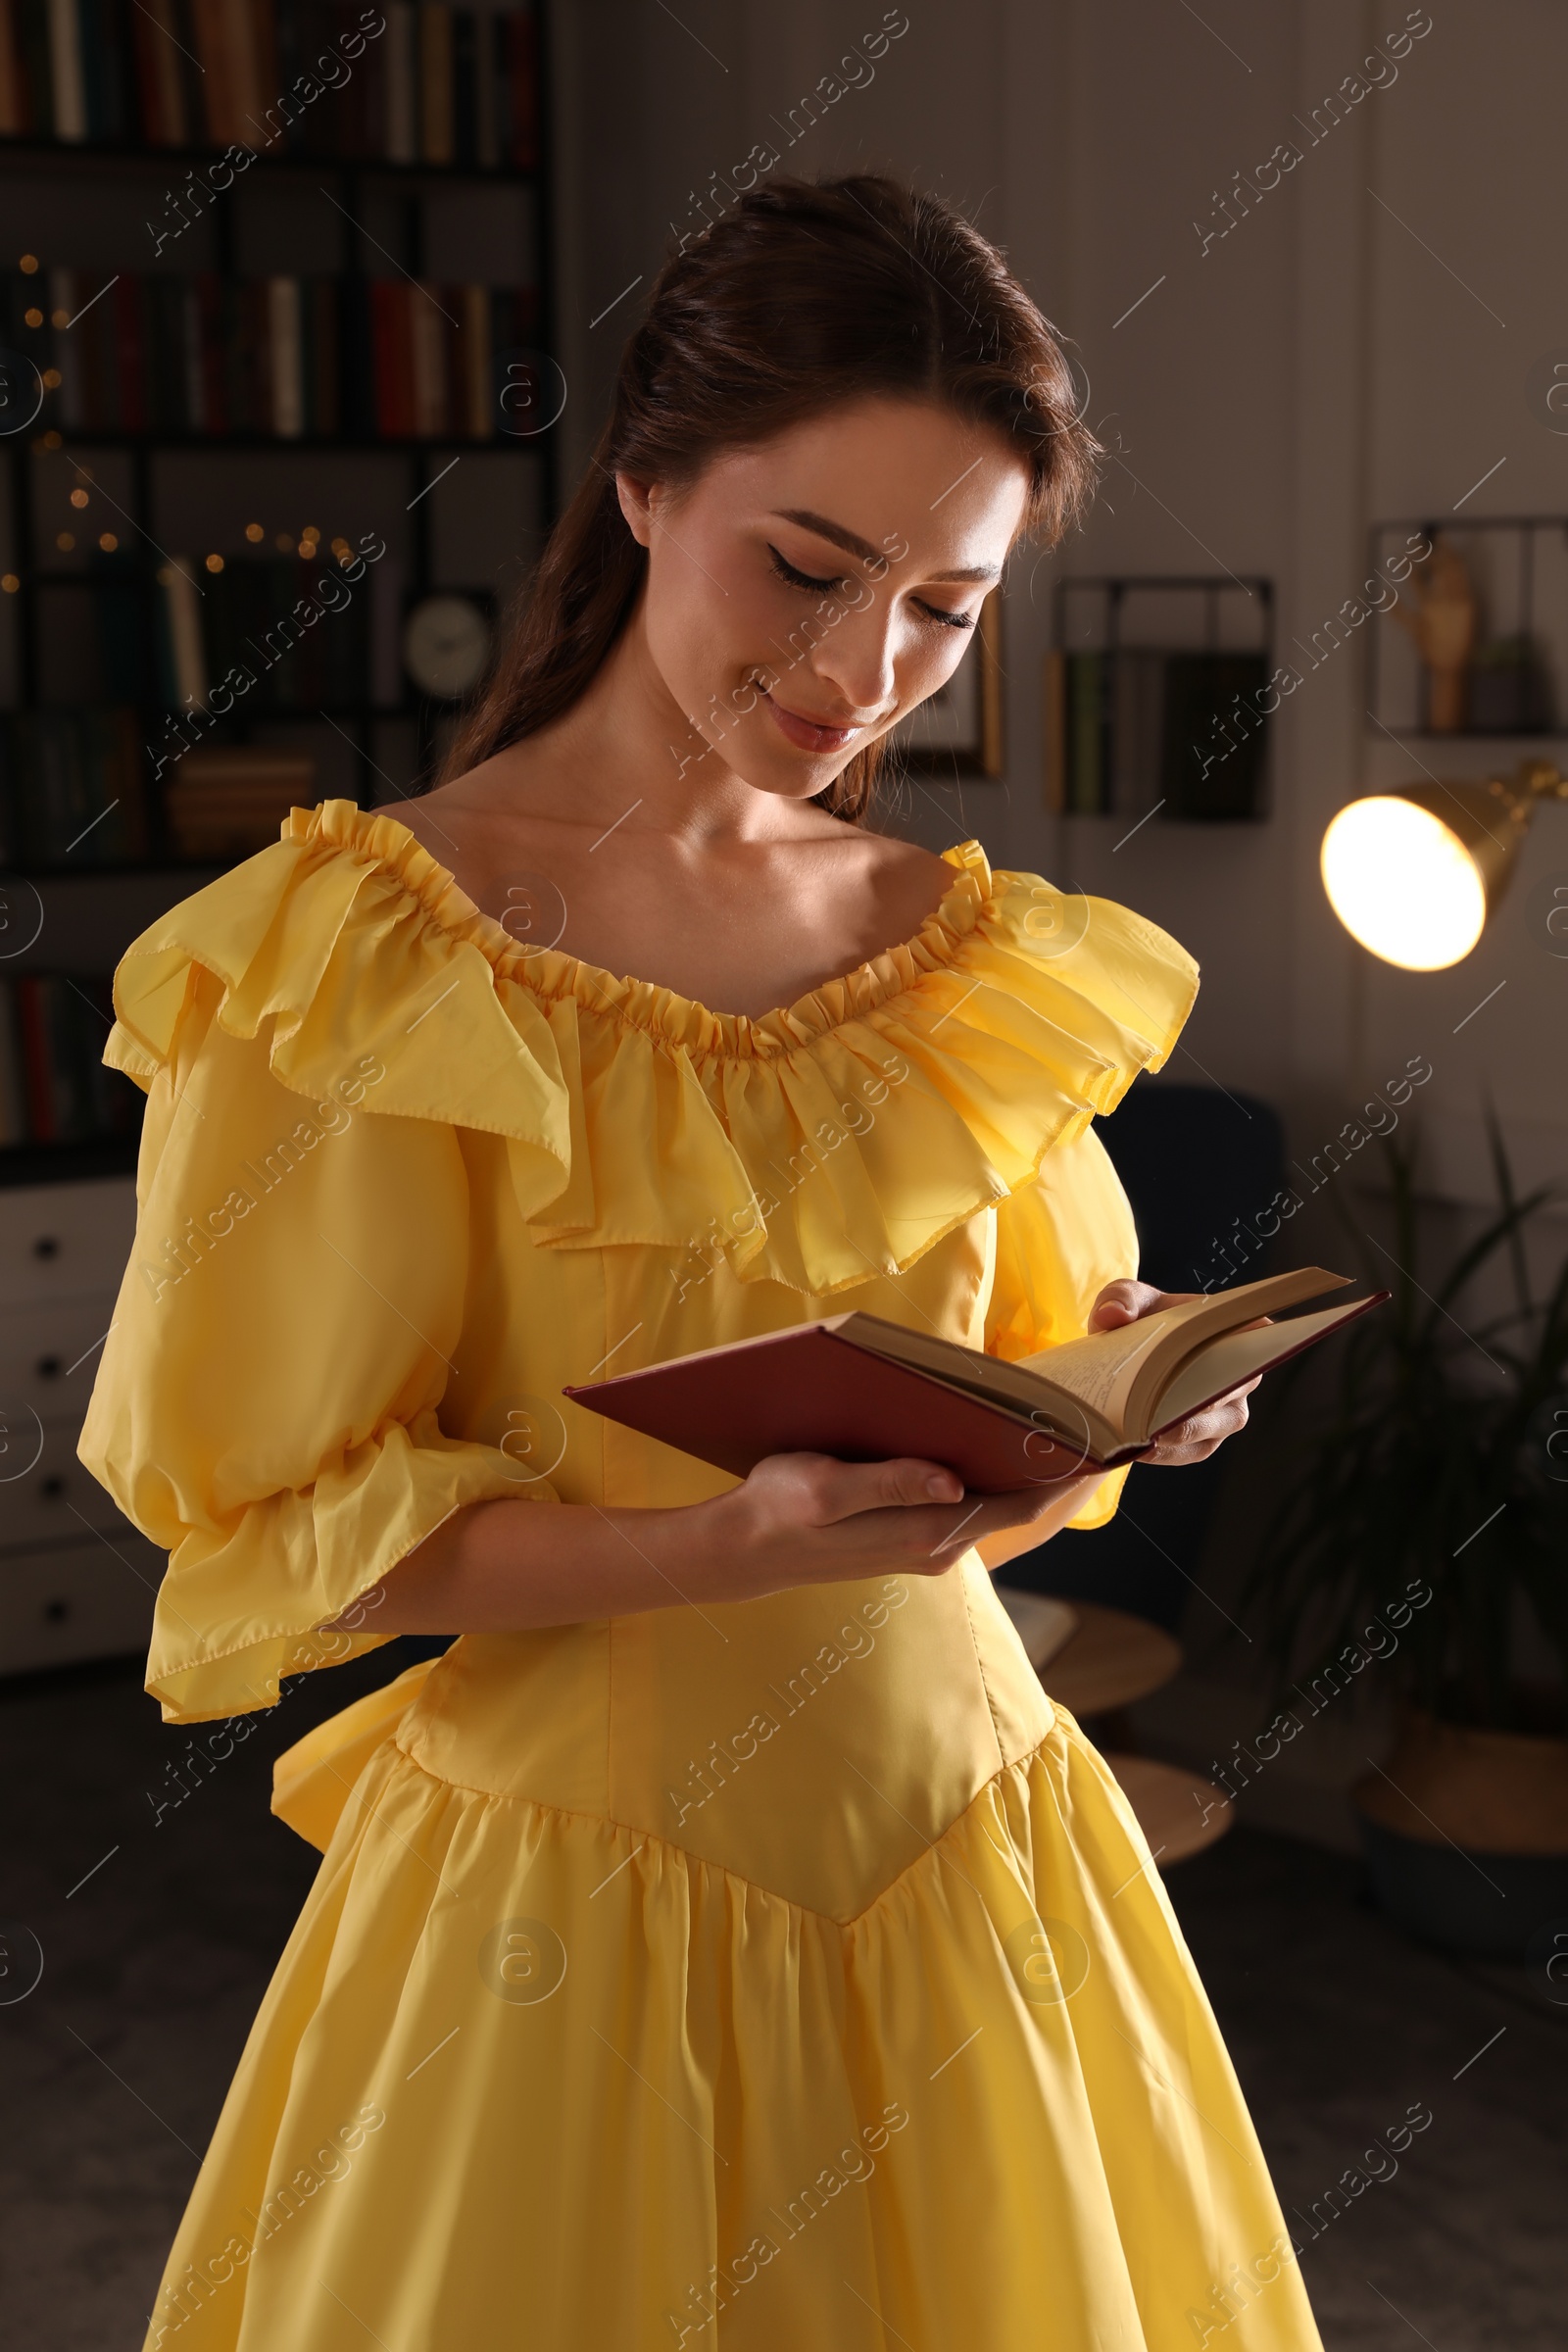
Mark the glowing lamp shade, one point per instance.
(1413, 885)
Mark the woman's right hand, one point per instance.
(509, 1567)
(809, 1519)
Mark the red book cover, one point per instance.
(826, 1388)
(33, 1024)
(155, 35)
(95, 323)
(218, 87)
(522, 83)
(131, 353)
(144, 31)
(15, 114)
(252, 403)
(808, 1390)
(383, 349)
(262, 56)
(215, 386)
(394, 358)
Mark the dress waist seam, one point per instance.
(695, 1861)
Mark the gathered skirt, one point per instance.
(524, 2077)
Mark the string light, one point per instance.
(78, 498)
(10, 583)
(29, 262)
(214, 563)
(65, 542)
(253, 531)
(34, 317)
(108, 542)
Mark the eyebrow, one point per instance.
(854, 545)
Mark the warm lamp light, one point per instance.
(1414, 873)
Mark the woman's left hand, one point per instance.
(1194, 1438)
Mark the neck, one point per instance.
(626, 752)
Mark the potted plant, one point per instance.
(1438, 1483)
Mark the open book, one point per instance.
(866, 1391)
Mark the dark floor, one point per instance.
(157, 1942)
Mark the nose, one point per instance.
(855, 659)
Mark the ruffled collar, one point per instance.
(834, 1139)
(664, 1013)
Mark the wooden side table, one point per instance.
(1107, 1662)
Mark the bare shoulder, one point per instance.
(417, 818)
(476, 829)
(905, 882)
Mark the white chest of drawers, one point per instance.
(77, 1581)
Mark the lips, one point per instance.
(809, 734)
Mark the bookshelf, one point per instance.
(274, 391)
(1516, 681)
(1158, 697)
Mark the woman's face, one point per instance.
(804, 595)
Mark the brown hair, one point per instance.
(802, 297)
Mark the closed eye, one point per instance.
(801, 579)
(796, 578)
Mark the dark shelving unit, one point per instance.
(1528, 702)
(1121, 702)
(355, 184)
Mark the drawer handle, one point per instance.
(48, 1367)
(46, 1246)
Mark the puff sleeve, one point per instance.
(267, 1408)
(1060, 1240)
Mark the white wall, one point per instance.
(1322, 364)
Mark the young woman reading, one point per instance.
(725, 1942)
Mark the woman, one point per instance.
(726, 1941)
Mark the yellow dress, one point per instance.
(781, 1974)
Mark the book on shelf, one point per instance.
(226, 801)
(280, 356)
(72, 788)
(1215, 734)
(248, 617)
(126, 635)
(54, 1088)
(865, 1390)
(182, 671)
(399, 83)
(1130, 729)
